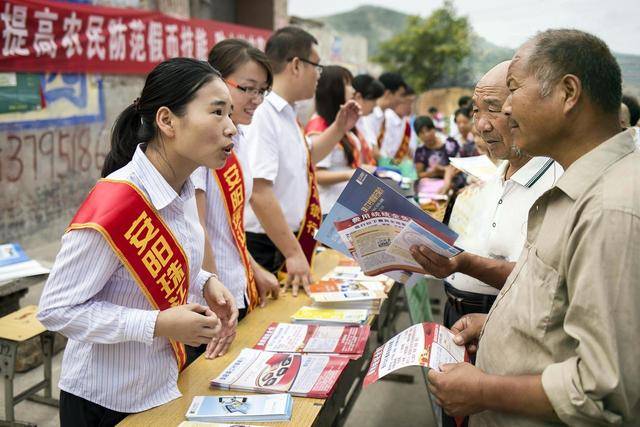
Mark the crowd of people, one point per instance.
(213, 189)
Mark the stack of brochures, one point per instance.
(304, 375)
(238, 409)
(15, 264)
(376, 226)
(335, 340)
(348, 294)
(329, 316)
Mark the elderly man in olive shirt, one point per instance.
(560, 344)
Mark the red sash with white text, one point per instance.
(403, 150)
(142, 240)
(231, 181)
(313, 214)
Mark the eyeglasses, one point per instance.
(318, 67)
(248, 90)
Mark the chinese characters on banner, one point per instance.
(40, 35)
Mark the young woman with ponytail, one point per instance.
(126, 283)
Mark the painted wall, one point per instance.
(52, 156)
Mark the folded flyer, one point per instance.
(480, 167)
(270, 407)
(289, 338)
(369, 237)
(305, 375)
(329, 316)
(415, 235)
(424, 344)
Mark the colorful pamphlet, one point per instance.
(15, 264)
(354, 272)
(231, 409)
(12, 253)
(305, 375)
(364, 193)
(427, 344)
(356, 294)
(415, 235)
(364, 198)
(369, 237)
(329, 316)
(289, 338)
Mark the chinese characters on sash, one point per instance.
(313, 214)
(158, 257)
(231, 182)
(144, 243)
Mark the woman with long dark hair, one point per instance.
(333, 90)
(132, 255)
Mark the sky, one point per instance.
(510, 23)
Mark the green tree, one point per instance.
(429, 50)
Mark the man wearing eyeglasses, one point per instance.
(285, 210)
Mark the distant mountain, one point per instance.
(378, 24)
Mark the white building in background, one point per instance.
(335, 48)
(339, 48)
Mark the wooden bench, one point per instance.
(15, 328)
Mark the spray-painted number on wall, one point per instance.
(50, 154)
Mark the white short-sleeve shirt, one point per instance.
(278, 153)
(498, 226)
(368, 134)
(231, 270)
(371, 124)
(393, 133)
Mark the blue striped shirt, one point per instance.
(112, 357)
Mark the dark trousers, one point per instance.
(78, 412)
(265, 252)
(460, 303)
(194, 352)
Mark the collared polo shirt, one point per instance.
(497, 227)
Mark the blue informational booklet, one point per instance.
(12, 253)
(365, 193)
(260, 407)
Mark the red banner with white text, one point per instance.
(41, 35)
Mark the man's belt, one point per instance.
(462, 300)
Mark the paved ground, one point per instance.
(382, 404)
